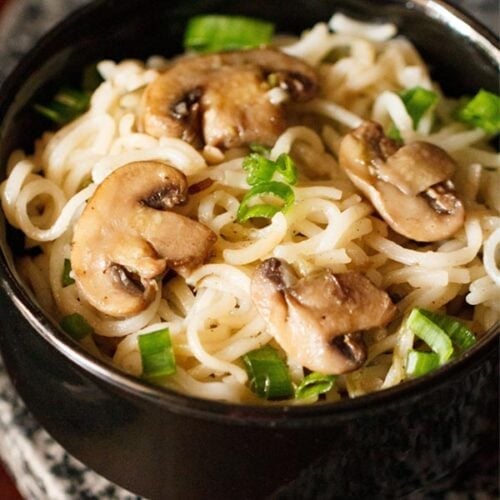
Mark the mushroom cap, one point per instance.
(317, 319)
(127, 237)
(416, 166)
(410, 186)
(221, 99)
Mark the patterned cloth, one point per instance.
(41, 468)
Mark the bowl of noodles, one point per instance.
(250, 251)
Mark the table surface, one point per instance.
(39, 466)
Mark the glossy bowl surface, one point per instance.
(164, 445)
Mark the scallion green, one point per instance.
(213, 33)
(482, 111)
(285, 166)
(268, 374)
(395, 134)
(417, 101)
(442, 334)
(419, 363)
(431, 333)
(277, 189)
(76, 326)
(157, 354)
(314, 384)
(67, 104)
(66, 278)
(255, 147)
(259, 168)
(459, 334)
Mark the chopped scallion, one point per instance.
(431, 333)
(262, 211)
(285, 166)
(314, 384)
(66, 279)
(76, 326)
(395, 134)
(482, 111)
(268, 374)
(259, 168)
(67, 104)
(277, 189)
(419, 363)
(459, 334)
(157, 354)
(54, 112)
(417, 101)
(259, 148)
(213, 33)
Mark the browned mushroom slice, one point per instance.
(318, 319)
(415, 167)
(221, 99)
(126, 237)
(409, 186)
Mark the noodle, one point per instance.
(209, 311)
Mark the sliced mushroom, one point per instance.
(221, 99)
(409, 186)
(318, 319)
(127, 237)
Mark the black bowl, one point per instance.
(164, 445)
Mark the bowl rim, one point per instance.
(278, 414)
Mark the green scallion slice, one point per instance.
(76, 326)
(263, 211)
(67, 104)
(431, 333)
(54, 112)
(417, 101)
(395, 134)
(459, 334)
(259, 168)
(482, 111)
(213, 33)
(268, 374)
(419, 363)
(255, 147)
(66, 279)
(157, 354)
(278, 189)
(285, 166)
(314, 384)
(74, 99)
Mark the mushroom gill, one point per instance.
(410, 186)
(127, 237)
(221, 99)
(318, 319)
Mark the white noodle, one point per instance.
(377, 32)
(490, 259)
(210, 311)
(431, 259)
